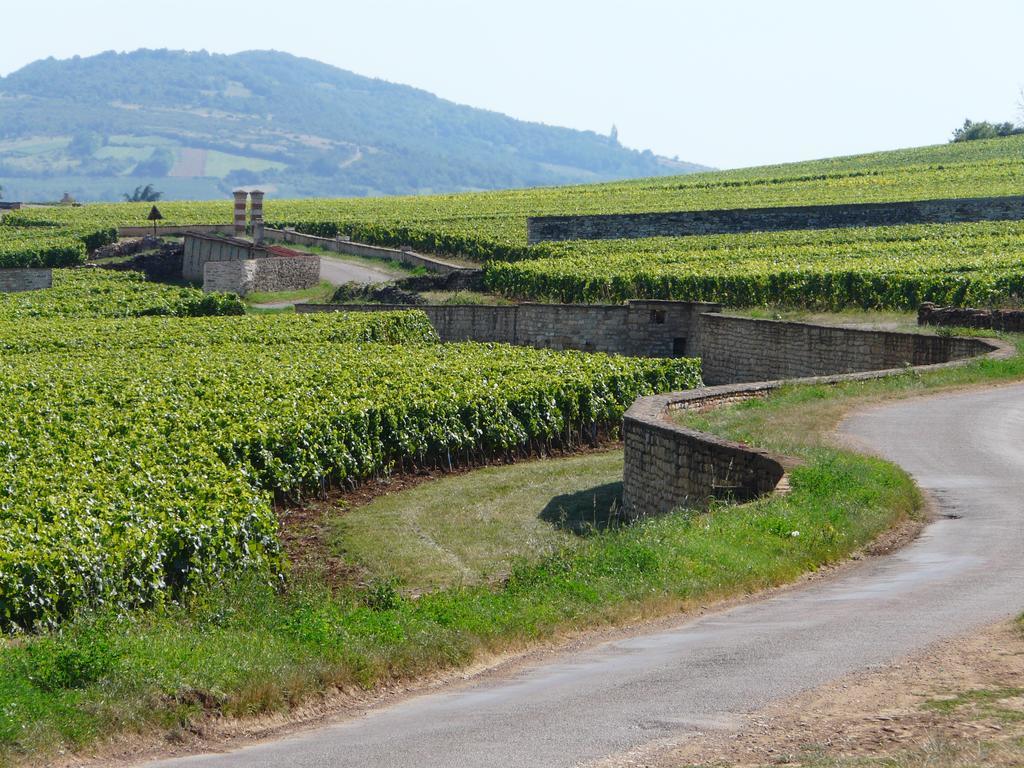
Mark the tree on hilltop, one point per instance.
(972, 131)
(146, 194)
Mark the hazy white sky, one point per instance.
(722, 82)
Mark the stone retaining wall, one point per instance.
(738, 349)
(342, 245)
(641, 328)
(263, 275)
(960, 317)
(668, 466)
(201, 249)
(169, 230)
(17, 280)
(734, 221)
(732, 349)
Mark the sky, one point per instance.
(726, 83)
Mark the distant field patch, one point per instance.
(220, 164)
(190, 163)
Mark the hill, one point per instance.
(199, 124)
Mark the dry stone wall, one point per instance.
(17, 280)
(738, 349)
(343, 245)
(264, 275)
(640, 329)
(668, 466)
(961, 317)
(735, 221)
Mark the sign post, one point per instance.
(155, 216)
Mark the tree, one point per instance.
(972, 131)
(142, 194)
(613, 137)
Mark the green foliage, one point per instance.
(972, 131)
(143, 194)
(882, 267)
(103, 293)
(37, 247)
(140, 457)
(55, 665)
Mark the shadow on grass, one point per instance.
(585, 512)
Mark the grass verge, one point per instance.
(321, 292)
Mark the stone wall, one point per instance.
(960, 317)
(631, 225)
(641, 328)
(668, 466)
(737, 349)
(200, 249)
(263, 275)
(16, 280)
(169, 230)
(343, 245)
(733, 349)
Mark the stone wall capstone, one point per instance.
(739, 220)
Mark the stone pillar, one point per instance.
(257, 207)
(241, 197)
(257, 229)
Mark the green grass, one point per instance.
(320, 293)
(503, 514)
(465, 297)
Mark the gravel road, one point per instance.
(339, 272)
(965, 570)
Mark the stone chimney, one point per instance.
(241, 196)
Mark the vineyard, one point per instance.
(881, 267)
(954, 263)
(143, 456)
(146, 440)
(101, 293)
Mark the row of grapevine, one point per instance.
(886, 267)
(142, 456)
(103, 293)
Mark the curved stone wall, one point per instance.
(668, 466)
